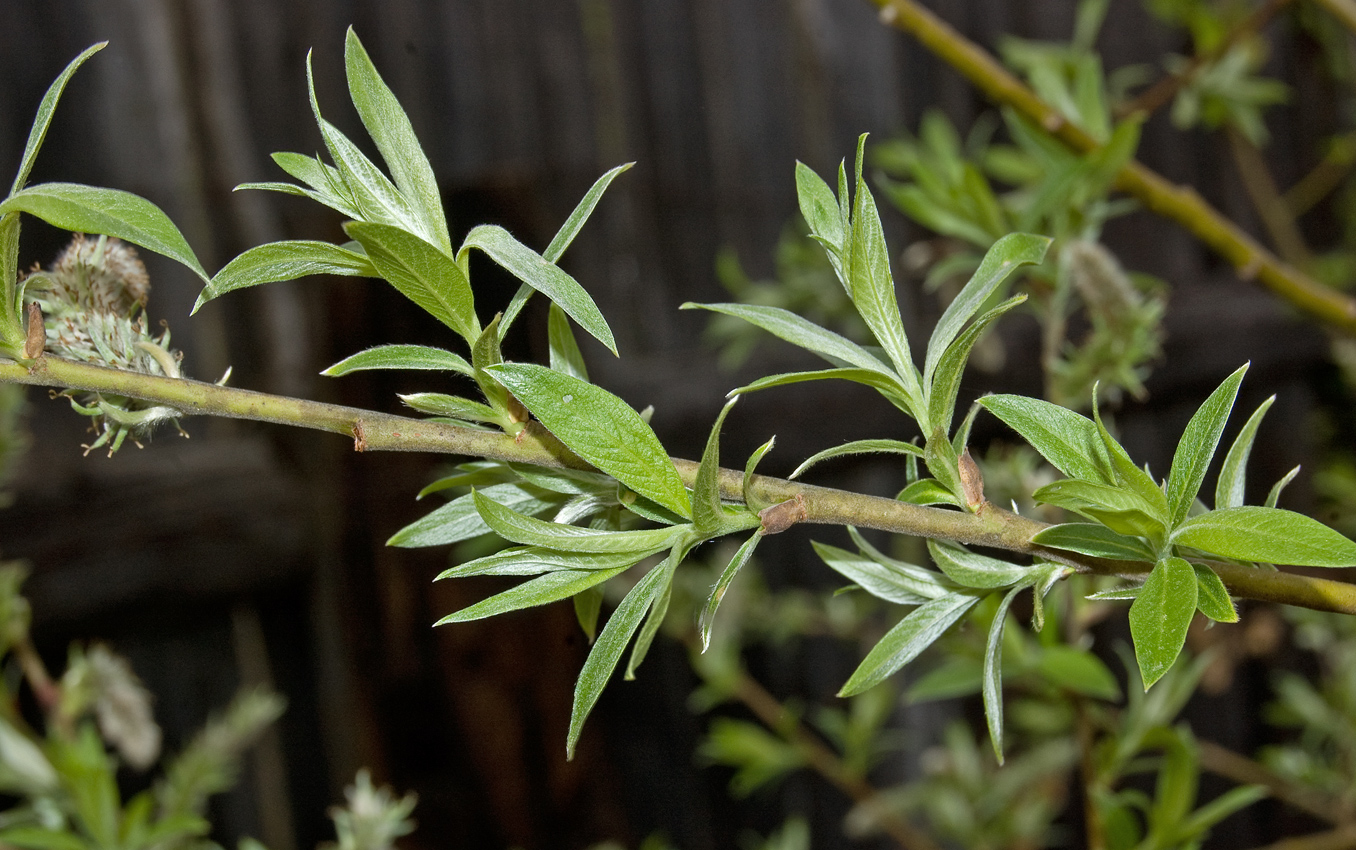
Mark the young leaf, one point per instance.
(519, 528)
(565, 354)
(1279, 487)
(1013, 250)
(390, 128)
(1197, 446)
(943, 385)
(607, 650)
(1267, 535)
(542, 590)
(12, 331)
(737, 562)
(1117, 507)
(43, 120)
(858, 447)
(1077, 670)
(752, 502)
(819, 209)
(1094, 539)
(887, 385)
(993, 673)
(707, 515)
(600, 428)
(542, 275)
(455, 407)
(1233, 476)
(534, 560)
(1128, 475)
(401, 357)
(1212, 597)
(910, 636)
(970, 569)
(1067, 440)
(927, 491)
(458, 519)
(287, 260)
(90, 209)
(902, 588)
(575, 222)
(663, 593)
(1160, 615)
(422, 273)
(324, 184)
(588, 605)
(799, 331)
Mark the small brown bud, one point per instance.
(783, 515)
(972, 482)
(36, 340)
(359, 437)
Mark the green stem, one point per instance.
(989, 526)
(1179, 203)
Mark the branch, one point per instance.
(989, 526)
(1179, 203)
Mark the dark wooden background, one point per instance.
(254, 554)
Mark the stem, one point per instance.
(1223, 761)
(1325, 177)
(1343, 10)
(1267, 200)
(989, 525)
(1342, 838)
(1179, 203)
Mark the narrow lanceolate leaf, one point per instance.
(519, 528)
(880, 580)
(1274, 496)
(835, 348)
(401, 357)
(1068, 440)
(1127, 473)
(90, 209)
(859, 447)
(993, 672)
(459, 520)
(1160, 615)
(750, 500)
(943, 385)
(456, 407)
(607, 651)
(663, 593)
(12, 336)
(534, 560)
(390, 128)
(565, 354)
(324, 185)
(819, 209)
(421, 273)
(1267, 535)
(542, 590)
(600, 428)
(542, 275)
(1212, 597)
(737, 562)
(886, 384)
(1093, 539)
(575, 222)
(707, 515)
(970, 569)
(1117, 507)
(288, 260)
(1001, 260)
(913, 634)
(1233, 476)
(377, 198)
(43, 120)
(1197, 446)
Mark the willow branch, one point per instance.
(1223, 761)
(989, 526)
(1182, 204)
(1267, 200)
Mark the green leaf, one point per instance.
(1069, 441)
(41, 838)
(12, 336)
(519, 528)
(421, 273)
(390, 128)
(1267, 535)
(542, 275)
(737, 562)
(886, 384)
(927, 491)
(455, 407)
(574, 482)
(542, 590)
(43, 120)
(1079, 671)
(707, 515)
(601, 428)
(884, 581)
(1117, 507)
(1129, 475)
(1094, 539)
(607, 650)
(993, 673)
(288, 260)
(1001, 260)
(662, 595)
(957, 676)
(819, 208)
(90, 209)
(859, 447)
(324, 183)
(1233, 476)
(1279, 487)
(835, 348)
(458, 519)
(534, 560)
(943, 385)
(1220, 808)
(1212, 597)
(910, 636)
(1197, 447)
(970, 569)
(575, 222)
(750, 501)
(1160, 615)
(401, 357)
(588, 605)
(565, 354)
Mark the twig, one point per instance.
(988, 526)
(1324, 177)
(1266, 199)
(1223, 761)
(1179, 203)
(1343, 10)
(1342, 838)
